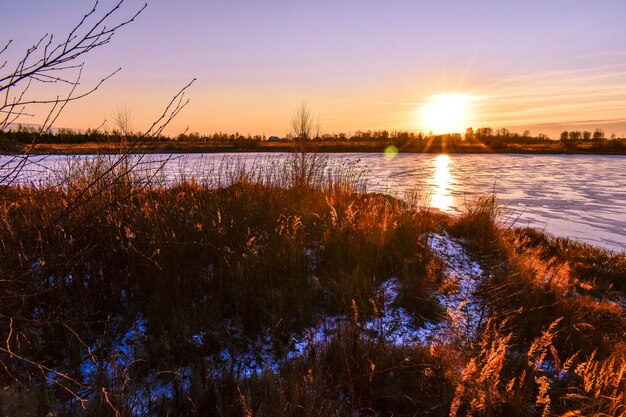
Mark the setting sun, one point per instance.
(446, 113)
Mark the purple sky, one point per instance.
(359, 64)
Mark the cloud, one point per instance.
(591, 95)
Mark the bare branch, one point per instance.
(56, 59)
(52, 66)
(6, 46)
(171, 110)
(90, 191)
(74, 85)
(100, 126)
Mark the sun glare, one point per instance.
(446, 113)
(441, 198)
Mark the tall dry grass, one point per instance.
(125, 295)
(100, 245)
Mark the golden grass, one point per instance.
(266, 254)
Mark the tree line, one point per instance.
(586, 136)
(495, 138)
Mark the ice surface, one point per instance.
(578, 196)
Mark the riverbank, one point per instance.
(576, 196)
(613, 147)
(295, 294)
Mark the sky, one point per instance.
(543, 66)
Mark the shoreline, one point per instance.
(193, 148)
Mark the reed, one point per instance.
(127, 295)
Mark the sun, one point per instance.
(446, 113)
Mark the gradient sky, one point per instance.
(543, 65)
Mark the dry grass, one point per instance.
(149, 284)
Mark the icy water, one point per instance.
(577, 196)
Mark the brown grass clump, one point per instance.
(481, 223)
(601, 386)
(478, 390)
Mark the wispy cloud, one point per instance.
(591, 95)
(394, 103)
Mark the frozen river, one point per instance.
(578, 196)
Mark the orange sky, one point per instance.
(359, 65)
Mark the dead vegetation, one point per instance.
(123, 296)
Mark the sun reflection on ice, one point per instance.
(441, 198)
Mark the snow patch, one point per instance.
(392, 324)
(464, 308)
(258, 356)
(114, 364)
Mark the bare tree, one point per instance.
(302, 123)
(122, 120)
(306, 164)
(318, 128)
(598, 134)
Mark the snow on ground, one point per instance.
(464, 308)
(316, 337)
(115, 364)
(123, 353)
(393, 324)
(258, 356)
